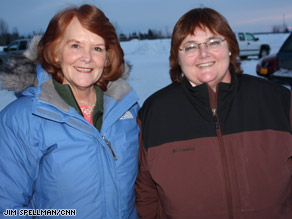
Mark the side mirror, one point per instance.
(5, 49)
(256, 39)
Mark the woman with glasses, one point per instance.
(215, 143)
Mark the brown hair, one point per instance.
(94, 20)
(201, 18)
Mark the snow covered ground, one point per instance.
(149, 59)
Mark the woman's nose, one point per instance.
(86, 56)
(203, 50)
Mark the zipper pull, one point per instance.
(110, 147)
(215, 118)
(214, 112)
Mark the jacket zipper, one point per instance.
(223, 154)
(110, 147)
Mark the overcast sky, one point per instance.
(140, 15)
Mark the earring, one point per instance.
(229, 53)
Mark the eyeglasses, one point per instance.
(193, 48)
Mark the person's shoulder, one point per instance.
(18, 108)
(162, 99)
(118, 89)
(263, 87)
(249, 80)
(254, 82)
(164, 95)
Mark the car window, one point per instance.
(22, 45)
(241, 36)
(13, 46)
(250, 37)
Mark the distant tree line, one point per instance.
(280, 29)
(150, 35)
(5, 36)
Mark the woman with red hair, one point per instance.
(71, 141)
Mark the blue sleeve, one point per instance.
(18, 166)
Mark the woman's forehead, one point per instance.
(200, 33)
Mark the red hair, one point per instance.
(94, 20)
(201, 18)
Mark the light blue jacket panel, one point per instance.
(52, 158)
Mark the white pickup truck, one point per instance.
(249, 45)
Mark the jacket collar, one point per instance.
(201, 96)
(117, 99)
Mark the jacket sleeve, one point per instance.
(17, 165)
(147, 200)
(291, 129)
(291, 108)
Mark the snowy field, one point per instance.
(149, 60)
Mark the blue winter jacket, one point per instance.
(52, 158)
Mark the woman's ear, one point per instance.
(57, 55)
(107, 61)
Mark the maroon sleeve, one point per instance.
(291, 107)
(147, 202)
(291, 126)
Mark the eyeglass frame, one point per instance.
(199, 45)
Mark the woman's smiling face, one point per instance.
(208, 65)
(82, 56)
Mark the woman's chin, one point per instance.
(209, 80)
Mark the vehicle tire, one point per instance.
(264, 51)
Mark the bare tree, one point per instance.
(3, 27)
(4, 35)
(15, 34)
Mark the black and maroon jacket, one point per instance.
(216, 155)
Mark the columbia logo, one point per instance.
(127, 115)
(182, 149)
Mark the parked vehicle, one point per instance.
(278, 67)
(249, 45)
(267, 65)
(17, 46)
